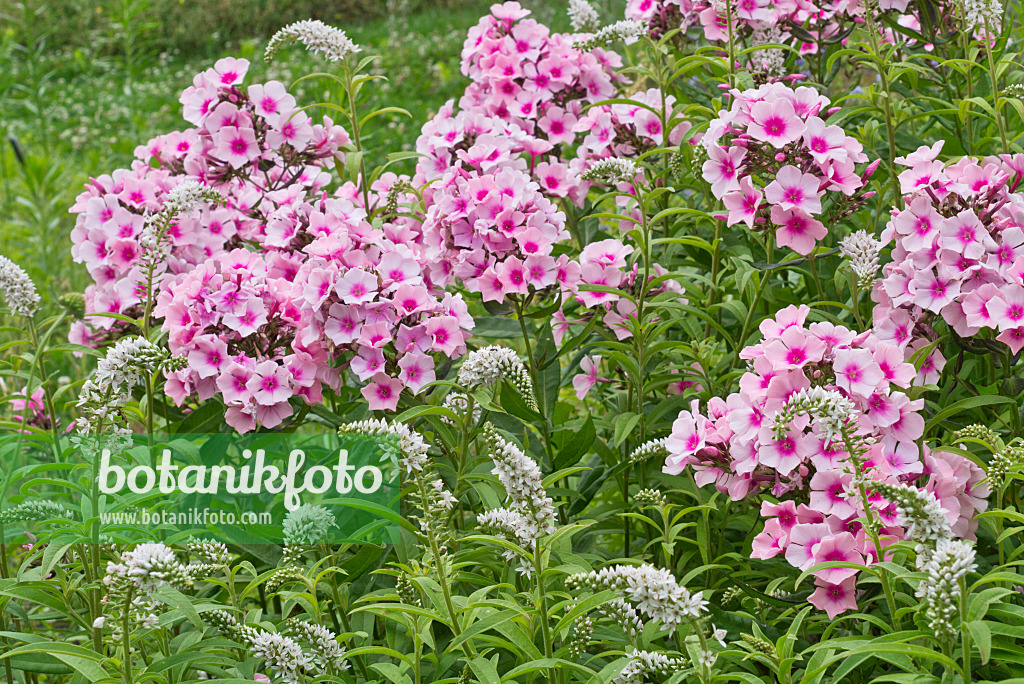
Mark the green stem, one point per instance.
(356, 139)
(872, 526)
(542, 606)
(995, 90)
(713, 289)
(890, 126)
(442, 574)
(44, 382)
(965, 634)
(126, 664)
(8, 670)
(748, 319)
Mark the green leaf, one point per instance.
(982, 637)
(577, 447)
(182, 604)
(514, 405)
(624, 425)
(966, 405)
(82, 660)
(482, 625)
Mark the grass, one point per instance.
(68, 115)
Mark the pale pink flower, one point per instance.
(775, 122)
(722, 169)
(796, 229)
(792, 189)
(383, 393)
(835, 598)
(841, 547)
(582, 382)
(856, 372)
(742, 204)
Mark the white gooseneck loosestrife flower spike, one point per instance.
(612, 170)
(917, 510)
(861, 248)
(411, 444)
(654, 591)
(939, 591)
(17, 288)
(830, 410)
(627, 30)
(317, 36)
(488, 365)
(583, 16)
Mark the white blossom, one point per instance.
(648, 450)
(627, 30)
(282, 655)
(1015, 90)
(210, 551)
(445, 498)
(18, 289)
(979, 14)
(918, 510)
(582, 16)
(131, 582)
(861, 248)
(939, 591)
(523, 482)
(148, 567)
(612, 170)
(317, 36)
(530, 513)
(325, 652)
(486, 366)
(648, 664)
(771, 61)
(411, 444)
(188, 196)
(654, 591)
(829, 409)
(624, 615)
(109, 388)
(458, 403)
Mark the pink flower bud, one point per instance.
(780, 157)
(870, 170)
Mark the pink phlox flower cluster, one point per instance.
(737, 447)
(522, 71)
(753, 441)
(232, 318)
(495, 233)
(531, 96)
(251, 144)
(957, 253)
(367, 301)
(773, 160)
